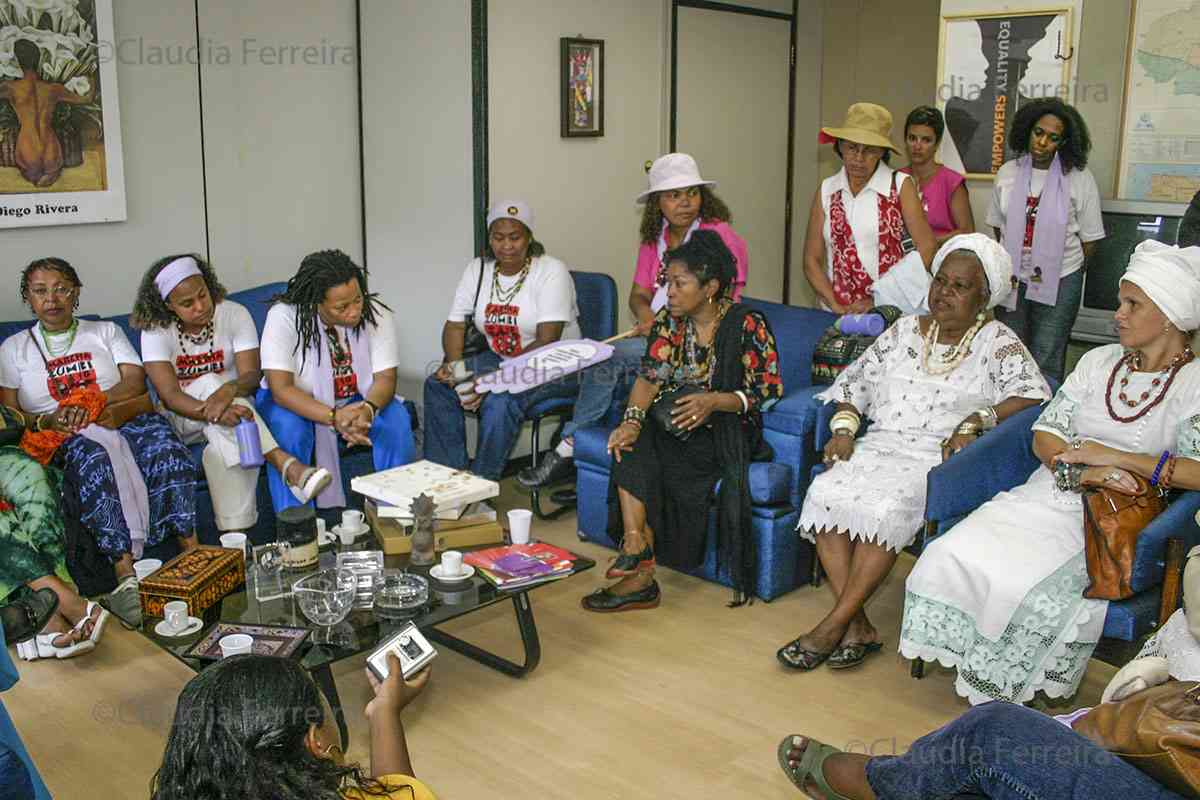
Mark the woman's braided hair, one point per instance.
(59, 265)
(150, 309)
(319, 272)
(711, 208)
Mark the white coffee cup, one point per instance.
(236, 644)
(143, 568)
(519, 520)
(347, 535)
(352, 520)
(452, 563)
(459, 371)
(175, 613)
(234, 541)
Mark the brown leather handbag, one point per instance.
(1156, 730)
(117, 414)
(1112, 521)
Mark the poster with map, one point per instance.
(60, 130)
(989, 65)
(1160, 130)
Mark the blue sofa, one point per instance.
(355, 461)
(776, 488)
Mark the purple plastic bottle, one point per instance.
(861, 324)
(249, 444)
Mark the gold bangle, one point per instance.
(332, 415)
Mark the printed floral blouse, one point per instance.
(674, 357)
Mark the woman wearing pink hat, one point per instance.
(865, 218)
(512, 299)
(677, 202)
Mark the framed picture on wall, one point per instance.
(60, 126)
(582, 97)
(989, 66)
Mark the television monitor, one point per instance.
(1127, 223)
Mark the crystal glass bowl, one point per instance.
(326, 596)
(400, 594)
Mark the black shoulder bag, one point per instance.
(474, 341)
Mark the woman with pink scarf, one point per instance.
(1052, 233)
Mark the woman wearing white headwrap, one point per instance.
(930, 384)
(1000, 596)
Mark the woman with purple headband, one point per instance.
(201, 353)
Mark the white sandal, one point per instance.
(312, 481)
(99, 622)
(42, 646)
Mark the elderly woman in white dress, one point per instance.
(930, 385)
(1000, 597)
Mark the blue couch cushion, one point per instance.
(795, 413)
(797, 331)
(257, 301)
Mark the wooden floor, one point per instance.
(681, 702)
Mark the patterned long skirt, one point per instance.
(31, 532)
(165, 464)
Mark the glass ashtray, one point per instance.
(401, 595)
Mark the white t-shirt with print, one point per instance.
(1084, 223)
(233, 333)
(548, 295)
(93, 358)
(280, 346)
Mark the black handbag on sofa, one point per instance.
(836, 350)
(664, 405)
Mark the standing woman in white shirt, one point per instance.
(201, 353)
(329, 356)
(132, 487)
(1051, 230)
(520, 299)
(858, 217)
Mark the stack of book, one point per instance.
(519, 565)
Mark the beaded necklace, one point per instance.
(52, 338)
(336, 349)
(691, 338)
(506, 296)
(206, 336)
(1133, 361)
(953, 358)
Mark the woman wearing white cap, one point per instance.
(859, 216)
(676, 203)
(930, 385)
(514, 298)
(201, 353)
(1000, 597)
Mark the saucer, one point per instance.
(194, 625)
(436, 572)
(338, 530)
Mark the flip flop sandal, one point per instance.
(98, 623)
(812, 765)
(852, 655)
(312, 481)
(793, 656)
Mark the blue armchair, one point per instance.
(1004, 459)
(776, 488)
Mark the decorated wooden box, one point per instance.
(199, 577)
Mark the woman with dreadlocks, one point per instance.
(329, 356)
(201, 353)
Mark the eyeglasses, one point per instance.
(59, 292)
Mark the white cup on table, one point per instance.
(234, 541)
(143, 568)
(452, 563)
(236, 644)
(352, 520)
(175, 614)
(519, 522)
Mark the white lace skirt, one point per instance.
(1175, 643)
(878, 495)
(1000, 598)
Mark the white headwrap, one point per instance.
(1170, 276)
(997, 263)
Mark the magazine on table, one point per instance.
(517, 565)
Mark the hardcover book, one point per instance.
(449, 488)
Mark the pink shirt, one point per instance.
(648, 267)
(935, 197)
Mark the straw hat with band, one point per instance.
(866, 123)
(673, 171)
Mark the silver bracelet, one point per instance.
(988, 417)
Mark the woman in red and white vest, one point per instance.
(859, 216)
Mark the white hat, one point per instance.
(673, 171)
(1170, 277)
(511, 209)
(997, 263)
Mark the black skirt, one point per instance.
(675, 480)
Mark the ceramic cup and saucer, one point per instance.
(176, 622)
(353, 525)
(451, 569)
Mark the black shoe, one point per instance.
(23, 619)
(604, 601)
(551, 469)
(627, 564)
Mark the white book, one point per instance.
(449, 488)
(470, 514)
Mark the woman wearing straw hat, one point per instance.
(859, 218)
(676, 203)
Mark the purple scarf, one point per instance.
(326, 438)
(1049, 232)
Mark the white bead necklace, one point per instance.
(951, 360)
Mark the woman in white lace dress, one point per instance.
(1000, 597)
(930, 386)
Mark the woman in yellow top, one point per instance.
(257, 727)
